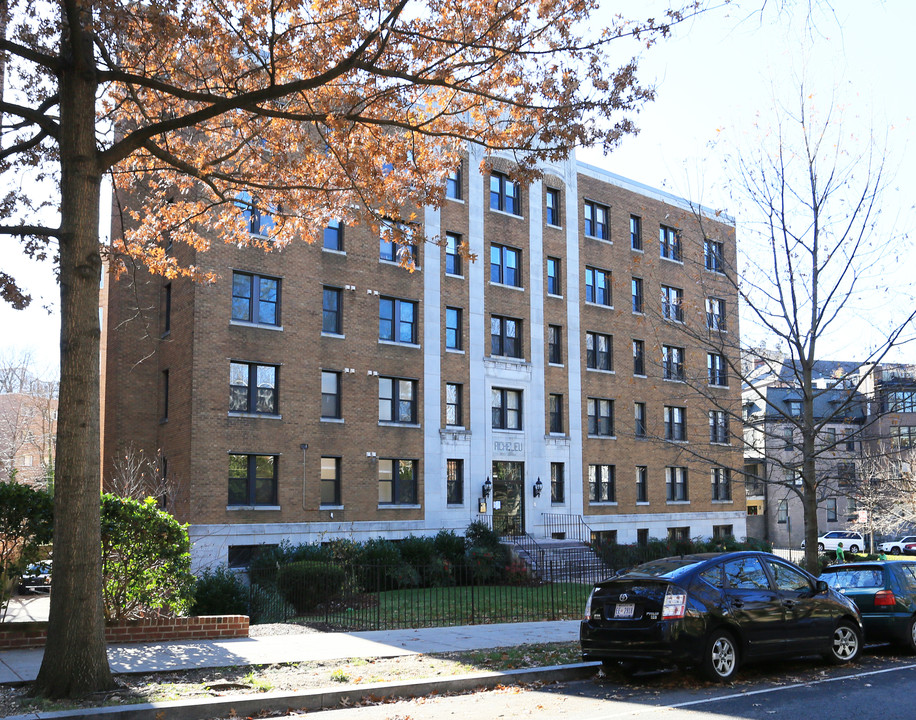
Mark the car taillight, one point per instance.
(885, 597)
(588, 604)
(675, 604)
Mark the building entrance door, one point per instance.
(508, 505)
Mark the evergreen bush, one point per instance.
(220, 591)
(309, 583)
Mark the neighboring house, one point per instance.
(772, 452)
(28, 432)
(891, 421)
(324, 391)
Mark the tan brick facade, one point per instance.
(199, 433)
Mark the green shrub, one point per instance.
(481, 535)
(26, 523)
(146, 560)
(308, 584)
(450, 547)
(220, 592)
(484, 563)
(267, 606)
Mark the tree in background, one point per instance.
(209, 117)
(813, 244)
(26, 521)
(884, 492)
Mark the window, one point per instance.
(637, 294)
(901, 401)
(598, 286)
(850, 440)
(679, 534)
(252, 480)
(642, 484)
(453, 328)
(639, 412)
(397, 400)
(506, 408)
(596, 220)
(715, 313)
(601, 485)
(715, 368)
(252, 388)
(556, 413)
(453, 415)
(452, 254)
(255, 299)
(845, 473)
(331, 318)
(718, 427)
(672, 303)
(165, 396)
(599, 351)
(795, 407)
(554, 344)
(399, 252)
(166, 309)
(721, 484)
(330, 394)
(672, 363)
(639, 357)
(600, 417)
(635, 232)
(454, 482)
(258, 220)
(554, 287)
(504, 194)
(642, 536)
(787, 436)
(397, 482)
(831, 510)
(557, 483)
(553, 207)
(782, 512)
(723, 532)
(669, 241)
(676, 484)
(333, 236)
(453, 185)
(714, 255)
(330, 481)
(675, 423)
(746, 574)
(397, 320)
(505, 336)
(504, 264)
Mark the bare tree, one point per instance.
(813, 249)
(884, 492)
(136, 475)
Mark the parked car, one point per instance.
(36, 578)
(896, 547)
(885, 593)
(852, 541)
(716, 611)
(909, 549)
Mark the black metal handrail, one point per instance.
(569, 526)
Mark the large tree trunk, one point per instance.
(75, 659)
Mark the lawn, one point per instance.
(459, 605)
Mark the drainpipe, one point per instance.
(303, 447)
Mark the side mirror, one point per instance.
(822, 586)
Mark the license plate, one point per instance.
(624, 610)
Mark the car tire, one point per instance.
(853, 548)
(820, 547)
(845, 644)
(909, 640)
(720, 659)
(896, 551)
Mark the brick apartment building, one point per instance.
(364, 400)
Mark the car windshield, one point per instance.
(667, 567)
(852, 578)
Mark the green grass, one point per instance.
(442, 606)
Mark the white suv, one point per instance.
(852, 541)
(895, 547)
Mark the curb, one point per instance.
(318, 699)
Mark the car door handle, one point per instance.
(738, 603)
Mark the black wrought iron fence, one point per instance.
(382, 597)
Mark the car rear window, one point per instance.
(668, 567)
(852, 578)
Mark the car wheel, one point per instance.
(853, 548)
(894, 551)
(820, 547)
(845, 644)
(720, 661)
(909, 641)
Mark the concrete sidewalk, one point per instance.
(22, 665)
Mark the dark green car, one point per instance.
(885, 593)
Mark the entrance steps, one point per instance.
(560, 560)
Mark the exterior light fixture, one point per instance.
(538, 486)
(487, 486)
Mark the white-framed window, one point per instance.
(397, 400)
(397, 320)
(596, 220)
(602, 486)
(676, 484)
(669, 240)
(675, 423)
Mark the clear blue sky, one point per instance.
(713, 78)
